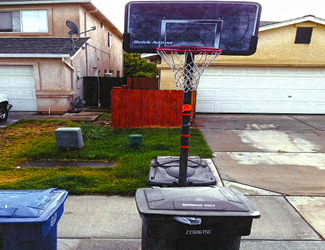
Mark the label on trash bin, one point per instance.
(199, 232)
(54, 218)
(199, 205)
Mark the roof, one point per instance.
(40, 47)
(86, 3)
(267, 25)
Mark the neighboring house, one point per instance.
(39, 69)
(285, 75)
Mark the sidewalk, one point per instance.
(103, 222)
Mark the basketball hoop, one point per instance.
(188, 64)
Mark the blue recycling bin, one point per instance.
(28, 218)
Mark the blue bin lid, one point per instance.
(20, 206)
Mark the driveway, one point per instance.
(15, 117)
(279, 162)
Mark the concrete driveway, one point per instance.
(279, 162)
(15, 117)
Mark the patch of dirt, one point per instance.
(105, 121)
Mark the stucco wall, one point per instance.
(53, 83)
(276, 47)
(79, 64)
(100, 56)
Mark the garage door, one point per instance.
(18, 83)
(262, 90)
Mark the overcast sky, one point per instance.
(272, 10)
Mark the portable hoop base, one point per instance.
(164, 172)
(187, 64)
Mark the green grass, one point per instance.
(34, 140)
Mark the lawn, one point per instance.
(30, 140)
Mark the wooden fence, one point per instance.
(143, 83)
(146, 108)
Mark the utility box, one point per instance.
(29, 218)
(135, 140)
(192, 218)
(69, 138)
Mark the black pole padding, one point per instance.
(186, 123)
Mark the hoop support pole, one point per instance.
(186, 124)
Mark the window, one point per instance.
(34, 21)
(24, 21)
(303, 35)
(5, 21)
(109, 40)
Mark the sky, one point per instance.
(272, 10)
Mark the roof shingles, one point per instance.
(53, 46)
(265, 23)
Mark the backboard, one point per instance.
(230, 26)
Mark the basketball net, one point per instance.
(188, 64)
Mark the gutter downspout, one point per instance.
(86, 47)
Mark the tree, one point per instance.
(135, 66)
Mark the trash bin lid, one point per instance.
(19, 206)
(194, 201)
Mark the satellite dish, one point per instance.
(75, 31)
(73, 27)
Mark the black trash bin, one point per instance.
(194, 218)
(29, 218)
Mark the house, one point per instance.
(285, 75)
(41, 68)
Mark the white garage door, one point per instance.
(18, 83)
(262, 90)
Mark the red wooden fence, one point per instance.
(143, 83)
(146, 108)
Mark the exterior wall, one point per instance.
(276, 47)
(52, 83)
(102, 59)
(167, 80)
(62, 12)
(79, 65)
